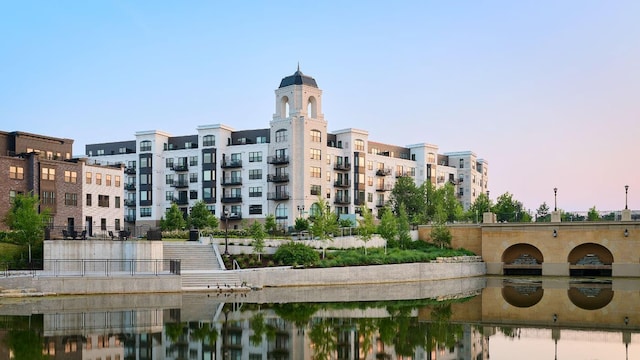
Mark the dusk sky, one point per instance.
(548, 92)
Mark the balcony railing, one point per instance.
(130, 187)
(385, 187)
(342, 183)
(278, 160)
(129, 202)
(181, 201)
(130, 170)
(130, 218)
(228, 164)
(383, 172)
(278, 195)
(342, 167)
(180, 184)
(358, 202)
(278, 178)
(234, 180)
(180, 167)
(231, 199)
(341, 200)
(232, 216)
(380, 203)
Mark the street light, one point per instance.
(301, 209)
(555, 199)
(226, 232)
(626, 190)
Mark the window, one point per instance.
(369, 180)
(48, 198)
(255, 209)
(208, 140)
(207, 175)
(88, 199)
(255, 156)
(145, 162)
(316, 190)
(168, 179)
(16, 172)
(169, 163)
(193, 160)
(208, 193)
(281, 135)
(255, 191)
(316, 154)
(193, 194)
(103, 200)
(98, 179)
(117, 224)
(145, 145)
(145, 212)
(108, 179)
(207, 158)
(193, 177)
(461, 163)
(315, 172)
(358, 145)
(369, 197)
(48, 173)
(117, 202)
(261, 139)
(145, 195)
(145, 179)
(168, 195)
(88, 177)
(255, 174)
(71, 199)
(316, 135)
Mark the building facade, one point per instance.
(279, 170)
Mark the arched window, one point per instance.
(281, 135)
(359, 145)
(208, 140)
(315, 210)
(284, 107)
(145, 145)
(316, 135)
(312, 107)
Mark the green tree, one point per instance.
(270, 225)
(301, 224)
(25, 344)
(481, 205)
(593, 214)
(325, 222)
(366, 227)
(440, 235)
(452, 207)
(406, 192)
(173, 219)
(510, 210)
(200, 217)
(404, 234)
(388, 228)
(542, 214)
(25, 221)
(257, 233)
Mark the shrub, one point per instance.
(296, 254)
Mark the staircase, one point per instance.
(200, 267)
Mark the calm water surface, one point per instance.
(491, 318)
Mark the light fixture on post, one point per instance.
(626, 191)
(626, 232)
(301, 209)
(226, 232)
(555, 233)
(555, 199)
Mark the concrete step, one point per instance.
(192, 255)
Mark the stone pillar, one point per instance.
(555, 216)
(626, 215)
(488, 218)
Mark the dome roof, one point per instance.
(298, 78)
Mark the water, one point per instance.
(480, 318)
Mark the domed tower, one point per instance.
(297, 147)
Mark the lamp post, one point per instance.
(301, 209)
(555, 199)
(226, 232)
(626, 191)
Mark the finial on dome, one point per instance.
(298, 65)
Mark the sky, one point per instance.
(546, 91)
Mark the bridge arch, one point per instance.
(522, 259)
(591, 297)
(590, 259)
(522, 295)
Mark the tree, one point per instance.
(481, 205)
(366, 227)
(173, 220)
(510, 210)
(406, 192)
(404, 235)
(270, 224)
(257, 233)
(542, 214)
(201, 217)
(450, 204)
(388, 228)
(301, 224)
(440, 235)
(325, 222)
(25, 221)
(593, 214)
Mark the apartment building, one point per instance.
(42, 165)
(279, 170)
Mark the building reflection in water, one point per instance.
(549, 318)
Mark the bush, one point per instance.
(296, 254)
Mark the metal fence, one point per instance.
(99, 268)
(96, 233)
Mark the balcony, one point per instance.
(341, 200)
(232, 216)
(129, 203)
(383, 172)
(278, 178)
(130, 187)
(130, 170)
(342, 183)
(358, 202)
(380, 204)
(278, 195)
(180, 167)
(181, 201)
(130, 218)
(384, 187)
(228, 198)
(234, 180)
(180, 184)
(403, 174)
(278, 160)
(342, 167)
(230, 164)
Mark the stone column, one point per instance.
(626, 215)
(555, 216)
(488, 218)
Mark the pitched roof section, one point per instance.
(298, 78)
